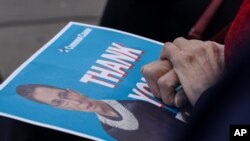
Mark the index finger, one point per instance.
(153, 71)
(182, 43)
(169, 51)
(167, 84)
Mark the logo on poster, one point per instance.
(76, 42)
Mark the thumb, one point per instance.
(180, 99)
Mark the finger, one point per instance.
(167, 84)
(163, 55)
(180, 99)
(169, 51)
(153, 71)
(182, 43)
(151, 79)
(154, 88)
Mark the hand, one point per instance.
(162, 81)
(197, 64)
(153, 71)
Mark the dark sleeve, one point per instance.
(224, 104)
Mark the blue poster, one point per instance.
(87, 81)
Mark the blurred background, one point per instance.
(26, 25)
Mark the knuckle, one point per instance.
(199, 49)
(196, 41)
(166, 44)
(146, 70)
(215, 49)
(165, 51)
(208, 42)
(212, 47)
(178, 40)
(166, 47)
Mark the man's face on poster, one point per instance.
(63, 98)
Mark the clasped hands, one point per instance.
(194, 64)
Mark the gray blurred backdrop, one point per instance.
(26, 25)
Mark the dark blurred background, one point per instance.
(26, 25)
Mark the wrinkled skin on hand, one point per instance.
(194, 64)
